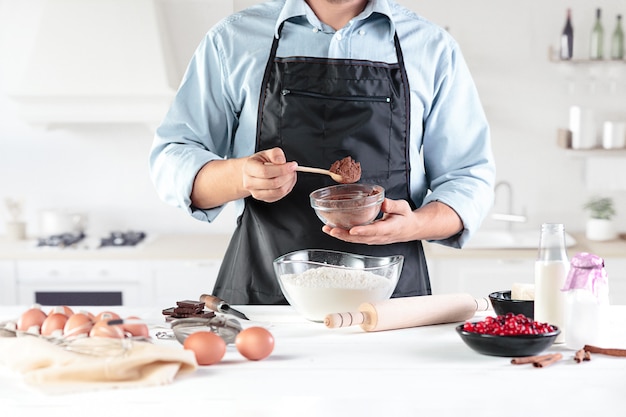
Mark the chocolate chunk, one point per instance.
(190, 304)
(186, 309)
(204, 315)
(182, 310)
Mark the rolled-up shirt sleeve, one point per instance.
(195, 131)
(458, 160)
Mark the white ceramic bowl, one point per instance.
(318, 282)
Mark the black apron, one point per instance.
(319, 111)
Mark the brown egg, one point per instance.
(77, 324)
(31, 318)
(208, 347)
(109, 315)
(53, 324)
(62, 309)
(88, 314)
(135, 329)
(255, 343)
(102, 328)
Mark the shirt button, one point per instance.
(361, 32)
(338, 36)
(315, 30)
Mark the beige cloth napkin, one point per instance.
(103, 363)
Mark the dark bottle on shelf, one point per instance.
(567, 38)
(617, 40)
(597, 38)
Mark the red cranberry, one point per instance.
(508, 325)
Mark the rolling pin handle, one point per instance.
(482, 304)
(212, 302)
(336, 320)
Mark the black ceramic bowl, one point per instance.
(502, 303)
(508, 346)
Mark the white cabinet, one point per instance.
(156, 274)
(83, 282)
(8, 294)
(136, 283)
(616, 272)
(176, 280)
(478, 276)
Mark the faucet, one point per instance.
(508, 217)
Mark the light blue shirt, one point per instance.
(214, 113)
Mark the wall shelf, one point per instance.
(553, 56)
(594, 152)
(589, 61)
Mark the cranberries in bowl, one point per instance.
(510, 335)
(347, 205)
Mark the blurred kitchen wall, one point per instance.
(102, 169)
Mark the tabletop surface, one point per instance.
(316, 371)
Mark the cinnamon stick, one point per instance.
(579, 356)
(530, 359)
(582, 355)
(549, 361)
(604, 351)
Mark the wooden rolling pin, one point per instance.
(400, 313)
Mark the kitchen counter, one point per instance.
(316, 371)
(608, 249)
(214, 246)
(189, 246)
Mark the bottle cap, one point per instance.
(586, 272)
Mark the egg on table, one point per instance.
(133, 326)
(102, 328)
(208, 347)
(255, 343)
(109, 315)
(31, 320)
(62, 309)
(53, 324)
(77, 324)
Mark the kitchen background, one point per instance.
(96, 161)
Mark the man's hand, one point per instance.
(267, 176)
(401, 224)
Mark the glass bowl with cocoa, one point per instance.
(348, 205)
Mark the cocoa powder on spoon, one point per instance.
(348, 169)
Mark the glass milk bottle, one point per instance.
(586, 301)
(551, 269)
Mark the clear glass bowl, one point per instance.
(317, 282)
(347, 205)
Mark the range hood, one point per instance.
(89, 61)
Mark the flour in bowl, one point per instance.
(321, 291)
(325, 277)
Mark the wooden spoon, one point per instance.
(336, 177)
